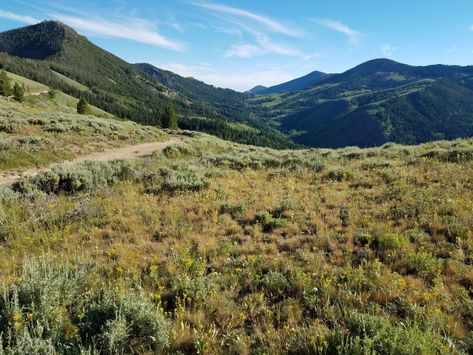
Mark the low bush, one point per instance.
(390, 243)
(51, 309)
(424, 264)
(234, 209)
(371, 164)
(268, 222)
(339, 175)
(84, 177)
(176, 179)
(9, 125)
(375, 334)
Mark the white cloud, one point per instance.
(244, 51)
(270, 24)
(388, 50)
(263, 45)
(353, 36)
(137, 30)
(237, 80)
(19, 18)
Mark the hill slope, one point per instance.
(351, 251)
(376, 102)
(54, 54)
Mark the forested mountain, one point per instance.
(258, 89)
(294, 85)
(377, 102)
(54, 54)
(228, 103)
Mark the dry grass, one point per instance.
(278, 260)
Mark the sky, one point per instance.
(241, 43)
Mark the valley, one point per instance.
(143, 212)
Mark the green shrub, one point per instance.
(51, 309)
(268, 222)
(391, 242)
(275, 284)
(371, 164)
(120, 322)
(452, 155)
(35, 313)
(83, 177)
(373, 334)
(176, 179)
(339, 175)
(234, 209)
(177, 150)
(10, 125)
(424, 264)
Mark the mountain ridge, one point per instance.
(56, 55)
(296, 84)
(376, 102)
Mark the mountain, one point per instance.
(297, 84)
(54, 54)
(256, 90)
(227, 102)
(377, 102)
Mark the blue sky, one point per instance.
(241, 43)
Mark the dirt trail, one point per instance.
(130, 152)
(36, 93)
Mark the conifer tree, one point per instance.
(19, 92)
(82, 107)
(5, 84)
(169, 119)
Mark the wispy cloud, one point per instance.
(388, 50)
(267, 22)
(19, 18)
(137, 30)
(263, 45)
(353, 36)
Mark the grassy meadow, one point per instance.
(212, 247)
(46, 129)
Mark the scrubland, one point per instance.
(213, 247)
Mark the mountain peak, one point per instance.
(40, 41)
(297, 84)
(256, 90)
(378, 65)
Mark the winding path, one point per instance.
(129, 152)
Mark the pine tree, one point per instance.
(169, 119)
(82, 107)
(19, 92)
(5, 84)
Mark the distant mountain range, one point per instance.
(376, 102)
(294, 85)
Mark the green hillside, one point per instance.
(46, 129)
(55, 55)
(377, 102)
